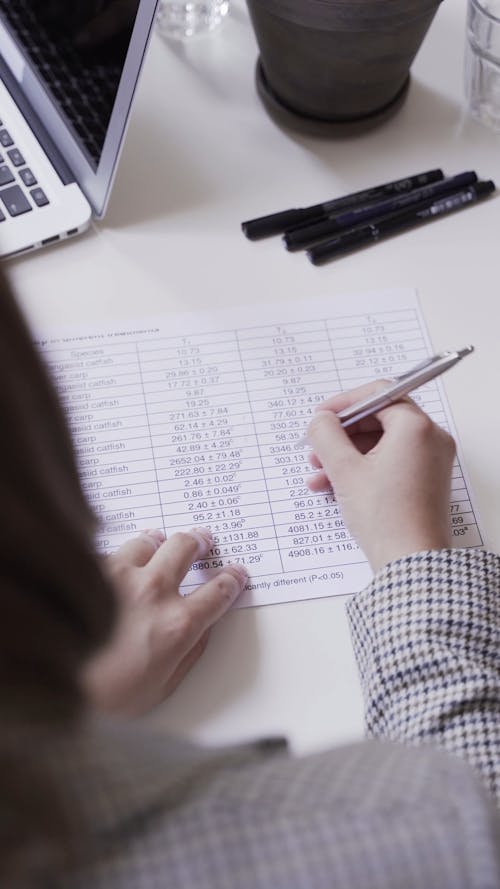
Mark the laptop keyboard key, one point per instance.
(16, 157)
(14, 201)
(27, 176)
(5, 176)
(39, 197)
(5, 139)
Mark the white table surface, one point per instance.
(201, 156)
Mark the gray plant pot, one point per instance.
(338, 60)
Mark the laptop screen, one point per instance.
(78, 50)
(84, 55)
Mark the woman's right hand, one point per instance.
(391, 475)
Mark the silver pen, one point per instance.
(402, 385)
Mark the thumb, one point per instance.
(332, 445)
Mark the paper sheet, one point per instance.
(196, 419)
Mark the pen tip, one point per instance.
(465, 351)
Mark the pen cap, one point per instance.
(276, 223)
(484, 188)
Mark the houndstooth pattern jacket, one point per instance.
(392, 812)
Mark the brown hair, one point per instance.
(56, 607)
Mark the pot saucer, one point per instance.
(314, 126)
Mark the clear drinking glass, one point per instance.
(482, 61)
(180, 20)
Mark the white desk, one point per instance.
(201, 156)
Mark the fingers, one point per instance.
(187, 662)
(185, 622)
(319, 483)
(405, 421)
(363, 441)
(403, 418)
(314, 461)
(174, 558)
(366, 432)
(138, 551)
(187, 626)
(332, 445)
(211, 600)
(371, 423)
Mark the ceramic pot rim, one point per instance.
(348, 15)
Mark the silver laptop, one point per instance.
(68, 72)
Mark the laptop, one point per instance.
(68, 73)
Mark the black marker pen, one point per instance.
(397, 222)
(276, 223)
(307, 235)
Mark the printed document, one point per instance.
(192, 420)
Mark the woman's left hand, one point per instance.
(159, 634)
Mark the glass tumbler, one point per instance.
(179, 20)
(482, 61)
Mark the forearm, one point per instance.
(426, 633)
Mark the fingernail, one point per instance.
(157, 535)
(204, 537)
(241, 571)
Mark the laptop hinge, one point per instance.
(35, 124)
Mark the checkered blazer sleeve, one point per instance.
(426, 634)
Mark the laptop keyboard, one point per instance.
(83, 83)
(19, 189)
